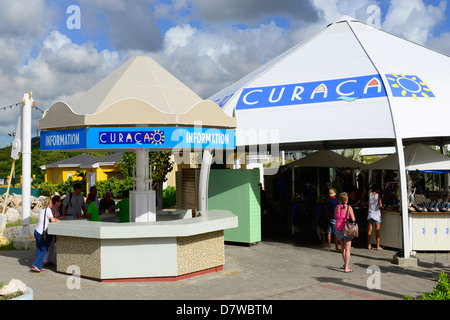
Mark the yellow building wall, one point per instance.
(57, 175)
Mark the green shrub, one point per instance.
(48, 189)
(441, 290)
(65, 187)
(113, 185)
(169, 197)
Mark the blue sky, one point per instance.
(207, 44)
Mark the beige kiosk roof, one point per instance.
(140, 92)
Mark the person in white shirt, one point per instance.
(374, 216)
(44, 218)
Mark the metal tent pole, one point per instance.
(403, 183)
(26, 165)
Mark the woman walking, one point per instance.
(343, 212)
(45, 216)
(374, 216)
(50, 258)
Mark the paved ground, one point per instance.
(286, 269)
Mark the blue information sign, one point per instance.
(161, 138)
(72, 139)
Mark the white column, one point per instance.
(204, 182)
(143, 199)
(142, 169)
(26, 164)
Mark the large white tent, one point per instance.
(348, 84)
(418, 157)
(326, 159)
(352, 85)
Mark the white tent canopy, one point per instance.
(344, 88)
(417, 157)
(350, 86)
(326, 159)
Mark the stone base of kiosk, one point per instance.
(161, 250)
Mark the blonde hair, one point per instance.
(343, 197)
(47, 202)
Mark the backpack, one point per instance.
(69, 204)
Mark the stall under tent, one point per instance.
(429, 218)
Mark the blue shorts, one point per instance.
(341, 237)
(332, 228)
(370, 221)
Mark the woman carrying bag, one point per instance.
(343, 212)
(44, 218)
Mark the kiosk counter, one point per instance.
(176, 247)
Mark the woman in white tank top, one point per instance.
(374, 216)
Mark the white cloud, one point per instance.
(413, 19)
(64, 69)
(128, 26)
(441, 43)
(207, 60)
(61, 71)
(178, 37)
(331, 10)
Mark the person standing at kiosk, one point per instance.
(73, 204)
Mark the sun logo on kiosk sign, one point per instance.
(157, 137)
(409, 86)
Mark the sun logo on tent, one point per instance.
(157, 137)
(409, 86)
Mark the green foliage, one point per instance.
(115, 186)
(9, 246)
(65, 187)
(169, 197)
(159, 162)
(127, 163)
(80, 173)
(161, 165)
(441, 290)
(48, 189)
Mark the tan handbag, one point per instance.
(351, 228)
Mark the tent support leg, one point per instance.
(404, 198)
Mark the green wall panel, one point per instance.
(237, 191)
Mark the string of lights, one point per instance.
(20, 104)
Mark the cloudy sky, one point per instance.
(59, 49)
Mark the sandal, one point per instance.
(33, 268)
